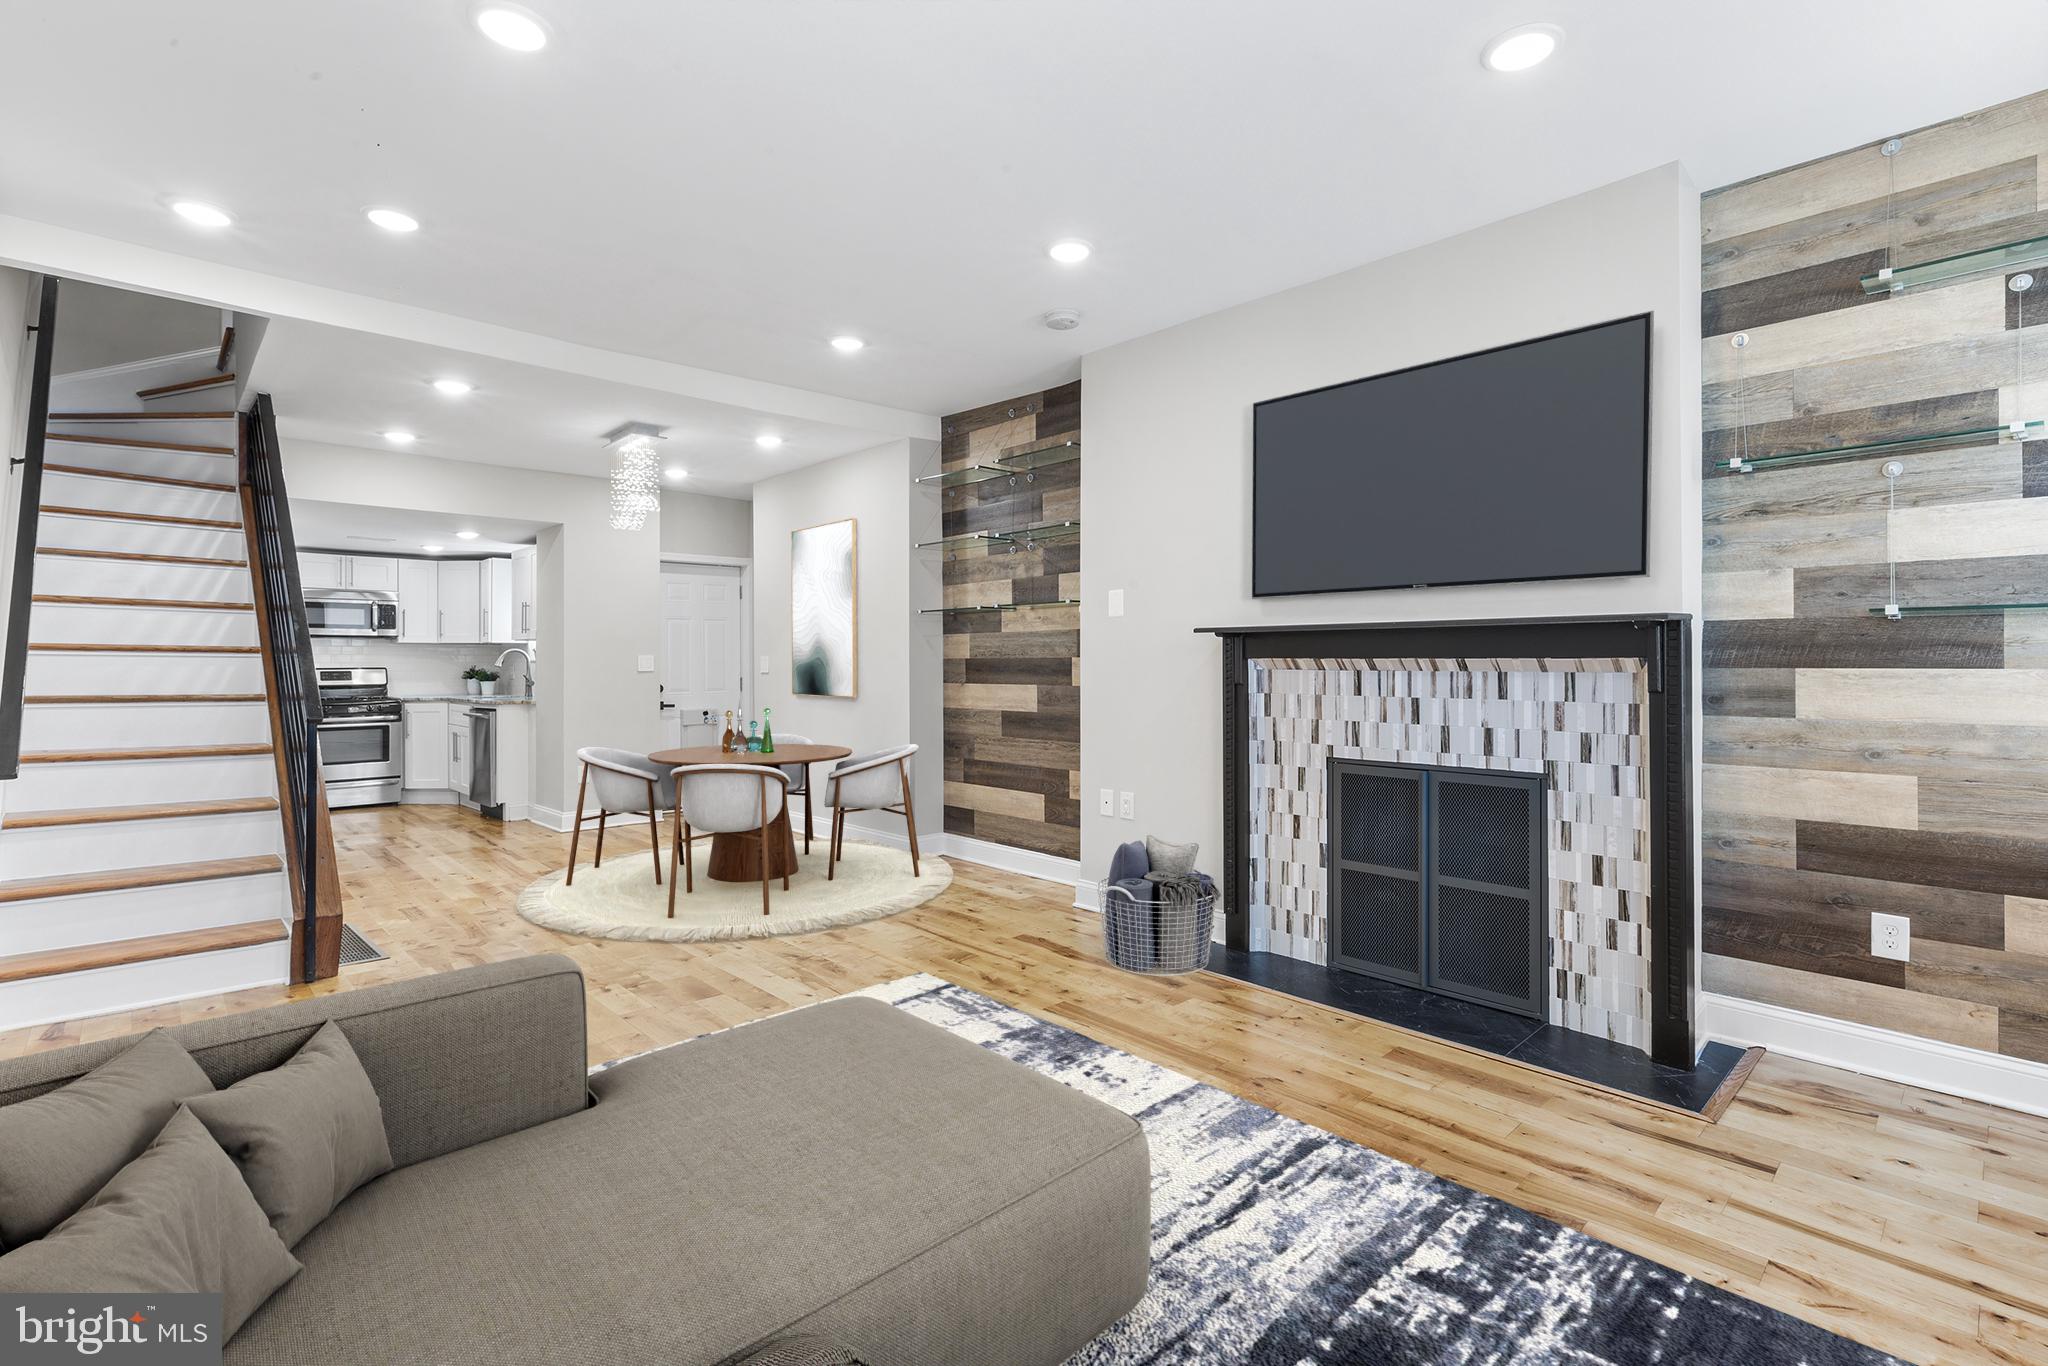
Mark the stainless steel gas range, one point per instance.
(362, 738)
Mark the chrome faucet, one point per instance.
(526, 655)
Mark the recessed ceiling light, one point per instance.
(397, 438)
(392, 220)
(205, 215)
(847, 344)
(433, 549)
(512, 26)
(676, 472)
(454, 388)
(1521, 48)
(465, 535)
(1071, 252)
(767, 441)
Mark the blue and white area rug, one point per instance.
(1277, 1244)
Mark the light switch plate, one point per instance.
(647, 664)
(1108, 801)
(1116, 602)
(1127, 806)
(764, 664)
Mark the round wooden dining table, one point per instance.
(737, 857)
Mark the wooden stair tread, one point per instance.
(151, 811)
(142, 415)
(137, 443)
(182, 604)
(133, 754)
(129, 879)
(23, 967)
(88, 472)
(136, 698)
(153, 518)
(186, 386)
(140, 557)
(116, 648)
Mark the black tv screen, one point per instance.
(1528, 461)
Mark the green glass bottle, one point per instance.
(753, 745)
(767, 731)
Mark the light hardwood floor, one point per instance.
(1904, 1219)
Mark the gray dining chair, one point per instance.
(725, 799)
(625, 784)
(871, 782)
(799, 782)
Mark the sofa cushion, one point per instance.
(843, 1170)
(177, 1218)
(802, 1349)
(305, 1134)
(59, 1148)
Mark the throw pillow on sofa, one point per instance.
(305, 1133)
(58, 1149)
(177, 1218)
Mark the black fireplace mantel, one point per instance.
(1663, 641)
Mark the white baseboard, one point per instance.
(551, 819)
(1087, 894)
(1930, 1064)
(1029, 862)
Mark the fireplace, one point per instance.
(1524, 798)
(1435, 878)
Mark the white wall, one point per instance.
(1166, 487)
(99, 325)
(600, 599)
(899, 664)
(698, 524)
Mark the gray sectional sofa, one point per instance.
(843, 1174)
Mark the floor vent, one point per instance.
(356, 949)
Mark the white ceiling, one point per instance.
(337, 385)
(402, 531)
(729, 184)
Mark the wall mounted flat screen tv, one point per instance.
(1528, 461)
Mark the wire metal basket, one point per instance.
(1157, 937)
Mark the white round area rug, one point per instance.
(621, 900)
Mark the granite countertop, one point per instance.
(495, 700)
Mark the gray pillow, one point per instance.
(1171, 860)
(305, 1133)
(178, 1219)
(59, 1148)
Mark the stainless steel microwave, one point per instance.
(351, 614)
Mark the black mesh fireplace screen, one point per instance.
(1436, 879)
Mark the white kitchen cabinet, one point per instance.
(419, 601)
(495, 577)
(320, 570)
(371, 573)
(525, 594)
(427, 745)
(460, 609)
(458, 751)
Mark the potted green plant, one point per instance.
(486, 682)
(472, 679)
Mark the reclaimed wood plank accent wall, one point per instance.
(1855, 764)
(1013, 679)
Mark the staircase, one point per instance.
(143, 852)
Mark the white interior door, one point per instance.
(703, 650)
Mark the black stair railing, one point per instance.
(28, 469)
(290, 645)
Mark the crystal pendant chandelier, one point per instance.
(636, 475)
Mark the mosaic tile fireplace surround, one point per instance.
(1596, 707)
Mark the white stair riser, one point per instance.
(71, 577)
(143, 538)
(124, 725)
(50, 623)
(135, 782)
(67, 921)
(214, 469)
(142, 673)
(192, 400)
(219, 431)
(125, 495)
(75, 995)
(62, 849)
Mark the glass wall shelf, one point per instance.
(966, 474)
(999, 607)
(1052, 533)
(1059, 451)
(1959, 609)
(1974, 436)
(967, 538)
(2010, 256)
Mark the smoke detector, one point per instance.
(1063, 319)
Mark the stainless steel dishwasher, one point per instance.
(483, 762)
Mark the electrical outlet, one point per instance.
(1116, 602)
(1127, 806)
(1891, 936)
(1108, 801)
(647, 664)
